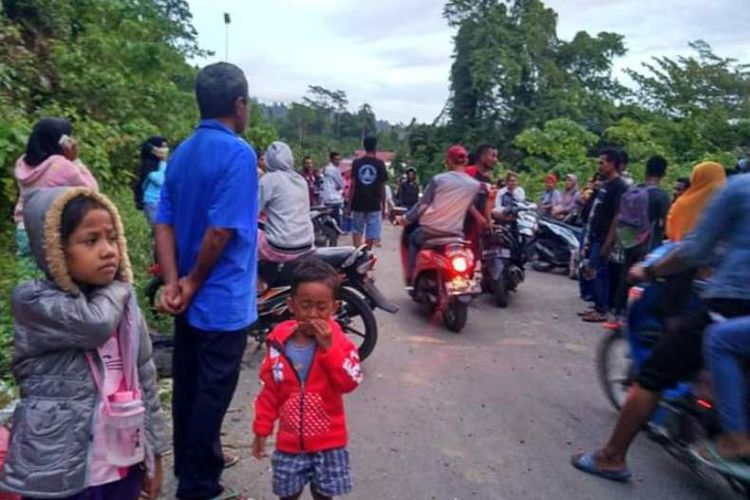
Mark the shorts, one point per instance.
(368, 223)
(328, 471)
(678, 356)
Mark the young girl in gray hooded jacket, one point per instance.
(88, 424)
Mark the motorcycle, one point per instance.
(686, 414)
(327, 230)
(556, 245)
(504, 252)
(444, 279)
(358, 296)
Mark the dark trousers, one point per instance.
(206, 368)
(600, 285)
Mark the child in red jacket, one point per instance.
(309, 366)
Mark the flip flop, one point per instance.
(230, 460)
(229, 494)
(595, 317)
(585, 462)
(737, 468)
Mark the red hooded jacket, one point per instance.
(311, 414)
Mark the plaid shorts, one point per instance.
(328, 471)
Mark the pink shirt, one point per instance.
(100, 472)
(55, 171)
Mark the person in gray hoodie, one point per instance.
(81, 356)
(285, 201)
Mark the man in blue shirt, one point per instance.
(206, 241)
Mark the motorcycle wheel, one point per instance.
(500, 293)
(363, 335)
(615, 380)
(455, 315)
(538, 262)
(326, 237)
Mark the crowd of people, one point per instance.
(89, 423)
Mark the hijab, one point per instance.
(706, 179)
(44, 140)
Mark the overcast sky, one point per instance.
(396, 54)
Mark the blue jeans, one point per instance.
(727, 344)
(368, 223)
(600, 286)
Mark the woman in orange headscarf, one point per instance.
(706, 179)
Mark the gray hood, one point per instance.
(43, 209)
(279, 157)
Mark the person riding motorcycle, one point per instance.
(678, 353)
(442, 209)
(284, 199)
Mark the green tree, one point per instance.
(511, 71)
(562, 145)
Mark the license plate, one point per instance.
(459, 286)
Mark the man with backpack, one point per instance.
(641, 221)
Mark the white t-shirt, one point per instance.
(518, 194)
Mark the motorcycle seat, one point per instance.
(445, 241)
(335, 256)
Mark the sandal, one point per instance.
(586, 312)
(230, 460)
(228, 494)
(585, 462)
(595, 317)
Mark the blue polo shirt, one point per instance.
(212, 182)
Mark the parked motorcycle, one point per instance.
(327, 230)
(504, 252)
(358, 296)
(686, 414)
(443, 279)
(556, 246)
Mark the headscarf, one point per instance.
(44, 140)
(706, 179)
(149, 163)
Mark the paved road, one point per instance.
(492, 413)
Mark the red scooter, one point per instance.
(444, 278)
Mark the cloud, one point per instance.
(396, 54)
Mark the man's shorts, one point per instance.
(328, 471)
(368, 223)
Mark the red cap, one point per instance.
(551, 177)
(456, 154)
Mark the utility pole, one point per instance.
(227, 22)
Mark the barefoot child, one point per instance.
(309, 366)
(88, 425)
